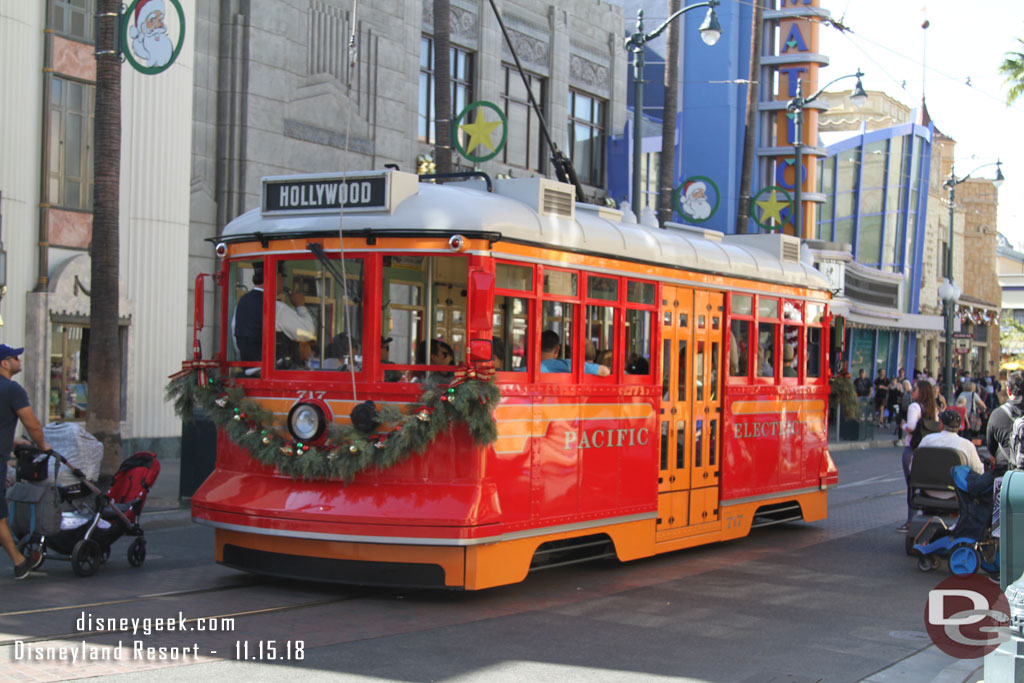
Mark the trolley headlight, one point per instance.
(306, 422)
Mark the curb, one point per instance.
(162, 519)
(862, 445)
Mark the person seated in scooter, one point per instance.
(948, 438)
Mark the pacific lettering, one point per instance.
(605, 438)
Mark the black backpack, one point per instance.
(925, 426)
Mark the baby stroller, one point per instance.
(87, 521)
(968, 544)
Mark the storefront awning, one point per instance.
(861, 315)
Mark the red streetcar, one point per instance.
(659, 388)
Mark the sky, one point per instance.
(956, 62)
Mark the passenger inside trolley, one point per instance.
(498, 353)
(340, 354)
(292, 324)
(591, 366)
(788, 357)
(550, 346)
(441, 353)
(385, 359)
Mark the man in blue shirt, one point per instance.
(14, 406)
(550, 345)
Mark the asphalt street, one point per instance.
(837, 600)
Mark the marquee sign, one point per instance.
(323, 193)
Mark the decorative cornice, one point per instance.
(530, 50)
(585, 71)
(463, 23)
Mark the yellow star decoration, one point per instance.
(772, 208)
(480, 131)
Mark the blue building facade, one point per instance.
(710, 110)
(873, 219)
(868, 191)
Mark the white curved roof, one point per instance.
(518, 210)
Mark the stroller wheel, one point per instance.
(925, 563)
(137, 552)
(963, 561)
(85, 558)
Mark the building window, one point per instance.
(69, 162)
(461, 74)
(943, 265)
(586, 137)
(525, 145)
(69, 370)
(650, 169)
(73, 18)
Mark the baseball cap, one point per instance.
(385, 340)
(950, 418)
(9, 351)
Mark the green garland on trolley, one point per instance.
(388, 437)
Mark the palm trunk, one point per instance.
(667, 171)
(104, 412)
(753, 92)
(442, 86)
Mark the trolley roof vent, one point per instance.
(546, 197)
(784, 247)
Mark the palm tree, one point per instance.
(442, 86)
(104, 414)
(667, 170)
(1013, 68)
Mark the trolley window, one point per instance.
(245, 287)
(424, 313)
(557, 331)
(815, 318)
(599, 340)
(792, 315)
(510, 330)
(318, 318)
(741, 309)
(767, 337)
(508, 276)
(639, 333)
(557, 337)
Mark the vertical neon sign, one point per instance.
(798, 59)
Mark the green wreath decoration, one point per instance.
(469, 399)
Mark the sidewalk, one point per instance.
(163, 506)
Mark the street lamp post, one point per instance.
(948, 291)
(710, 32)
(796, 107)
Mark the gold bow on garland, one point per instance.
(469, 400)
(483, 372)
(196, 365)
